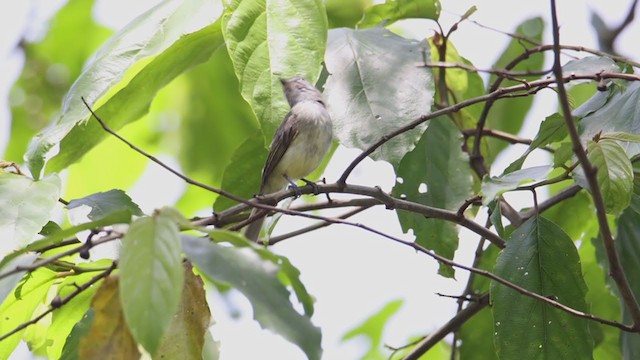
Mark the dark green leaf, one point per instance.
(104, 203)
(541, 258)
(268, 40)
(394, 10)
(373, 328)
(629, 252)
(151, 278)
(258, 280)
(614, 174)
(508, 115)
(563, 154)
(435, 173)
(493, 187)
(375, 88)
(552, 129)
(26, 207)
(496, 217)
(70, 351)
(581, 221)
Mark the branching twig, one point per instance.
(615, 269)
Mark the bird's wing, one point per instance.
(281, 141)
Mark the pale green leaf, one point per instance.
(394, 10)
(151, 278)
(493, 187)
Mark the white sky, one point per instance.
(350, 272)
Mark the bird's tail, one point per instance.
(252, 231)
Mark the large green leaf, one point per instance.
(590, 65)
(151, 277)
(394, 10)
(375, 88)
(629, 252)
(148, 35)
(541, 258)
(256, 279)
(271, 39)
(26, 208)
(508, 115)
(51, 65)
(435, 173)
(19, 307)
(105, 203)
(613, 111)
(614, 174)
(373, 328)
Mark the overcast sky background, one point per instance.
(350, 272)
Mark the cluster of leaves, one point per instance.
(220, 74)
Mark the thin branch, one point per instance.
(452, 325)
(57, 303)
(606, 36)
(615, 269)
(552, 201)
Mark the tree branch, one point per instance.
(590, 172)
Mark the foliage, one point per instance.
(561, 273)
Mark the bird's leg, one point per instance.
(316, 191)
(293, 186)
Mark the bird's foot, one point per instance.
(313, 185)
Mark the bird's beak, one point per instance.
(283, 81)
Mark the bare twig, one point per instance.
(607, 36)
(615, 269)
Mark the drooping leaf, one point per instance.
(151, 278)
(19, 307)
(26, 207)
(435, 173)
(268, 40)
(613, 111)
(552, 129)
(541, 258)
(495, 186)
(629, 253)
(256, 279)
(109, 333)
(8, 283)
(148, 35)
(614, 174)
(394, 10)
(508, 115)
(373, 328)
(104, 203)
(186, 333)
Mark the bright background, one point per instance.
(352, 273)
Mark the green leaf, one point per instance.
(268, 40)
(345, 13)
(151, 278)
(394, 10)
(563, 153)
(509, 115)
(613, 111)
(375, 88)
(541, 258)
(249, 157)
(621, 136)
(493, 187)
(105, 203)
(435, 173)
(149, 34)
(373, 328)
(629, 252)
(256, 279)
(19, 307)
(70, 351)
(26, 207)
(590, 65)
(496, 217)
(133, 101)
(581, 220)
(614, 174)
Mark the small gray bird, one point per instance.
(299, 145)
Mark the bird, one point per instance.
(300, 143)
